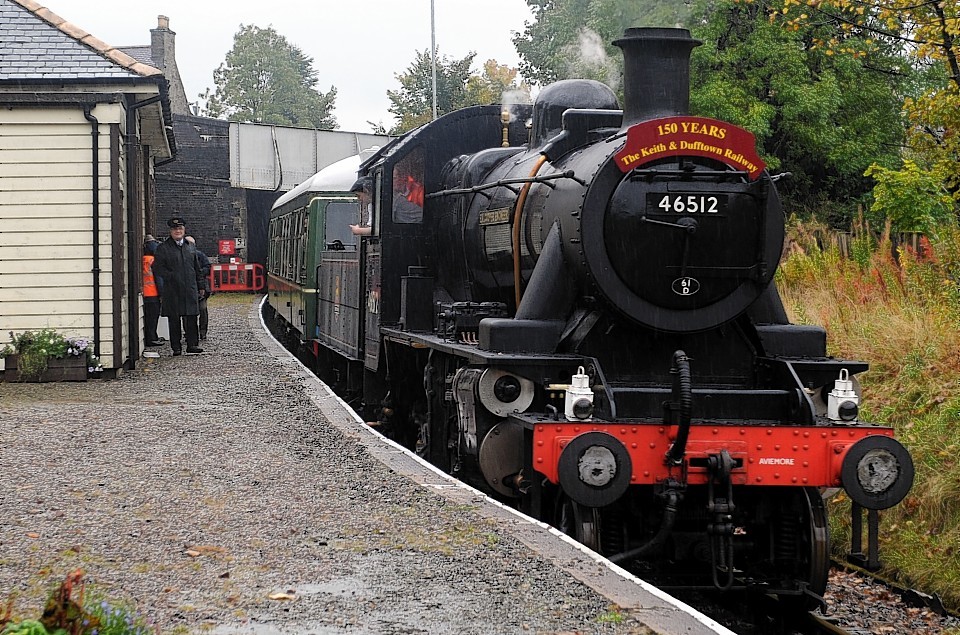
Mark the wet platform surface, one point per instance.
(232, 492)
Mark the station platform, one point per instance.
(231, 492)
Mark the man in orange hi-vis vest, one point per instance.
(151, 295)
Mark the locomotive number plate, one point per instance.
(682, 204)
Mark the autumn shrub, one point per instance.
(896, 308)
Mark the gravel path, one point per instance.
(197, 487)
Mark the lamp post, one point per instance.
(433, 57)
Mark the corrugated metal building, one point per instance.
(81, 127)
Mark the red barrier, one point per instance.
(237, 277)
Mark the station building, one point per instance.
(82, 127)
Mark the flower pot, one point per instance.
(66, 369)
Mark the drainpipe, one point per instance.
(95, 140)
(133, 250)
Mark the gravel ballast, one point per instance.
(229, 492)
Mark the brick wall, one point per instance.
(196, 186)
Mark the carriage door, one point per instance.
(338, 275)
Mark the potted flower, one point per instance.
(46, 355)
(73, 609)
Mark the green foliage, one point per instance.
(613, 616)
(265, 79)
(784, 87)
(923, 33)
(571, 38)
(46, 342)
(457, 87)
(912, 199)
(554, 27)
(29, 627)
(862, 249)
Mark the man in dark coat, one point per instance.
(183, 287)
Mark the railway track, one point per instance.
(856, 603)
(764, 615)
(820, 625)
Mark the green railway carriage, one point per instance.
(313, 261)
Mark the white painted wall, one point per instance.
(46, 223)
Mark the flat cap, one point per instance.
(364, 183)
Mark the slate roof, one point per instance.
(37, 44)
(142, 54)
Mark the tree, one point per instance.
(457, 87)
(914, 200)
(927, 32)
(413, 102)
(572, 38)
(265, 79)
(496, 84)
(822, 117)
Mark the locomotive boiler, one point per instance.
(577, 315)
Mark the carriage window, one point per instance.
(300, 244)
(285, 248)
(408, 188)
(337, 220)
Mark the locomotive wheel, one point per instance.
(602, 529)
(578, 521)
(812, 544)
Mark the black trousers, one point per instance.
(151, 315)
(190, 329)
(204, 318)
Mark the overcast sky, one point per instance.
(356, 45)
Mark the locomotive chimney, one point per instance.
(656, 73)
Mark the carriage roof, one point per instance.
(336, 177)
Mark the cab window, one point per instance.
(407, 202)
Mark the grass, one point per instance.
(230, 298)
(445, 539)
(613, 616)
(899, 311)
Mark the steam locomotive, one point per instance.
(577, 316)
